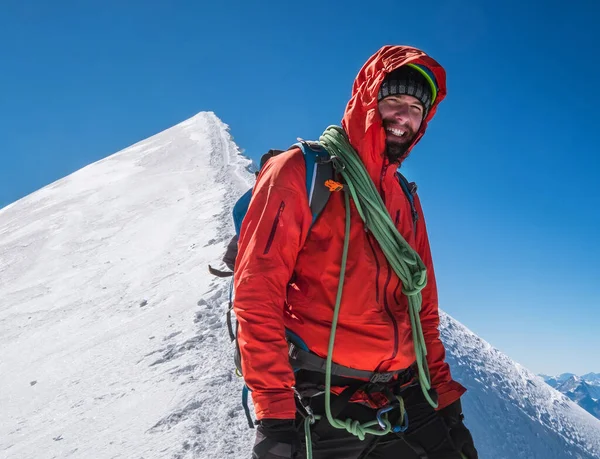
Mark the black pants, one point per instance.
(426, 437)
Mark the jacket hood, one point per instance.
(362, 121)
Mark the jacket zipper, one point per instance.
(395, 294)
(377, 267)
(274, 228)
(389, 275)
(389, 311)
(381, 190)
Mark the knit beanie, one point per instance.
(407, 80)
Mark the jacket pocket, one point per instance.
(274, 228)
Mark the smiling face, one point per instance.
(401, 116)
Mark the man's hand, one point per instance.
(276, 439)
(462, 438)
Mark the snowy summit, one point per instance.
(113, 340)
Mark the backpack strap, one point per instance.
(318, 170)
(409, 190)
(239, 210)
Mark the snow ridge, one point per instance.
(111, 329)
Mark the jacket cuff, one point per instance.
(448, 393)
(274, 405)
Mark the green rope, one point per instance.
(354, 427)
(403, 259)
(307, 434)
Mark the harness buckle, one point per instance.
(310, 415)
(381, 377)
(292, 350)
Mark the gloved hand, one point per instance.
(462, 438)
(276, 439)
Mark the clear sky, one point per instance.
(508, 171)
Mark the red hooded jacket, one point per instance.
(275, 245)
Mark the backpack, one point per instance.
(319, 186)
(319, 171)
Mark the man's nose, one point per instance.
(401, 114)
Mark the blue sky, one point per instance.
(508, 171)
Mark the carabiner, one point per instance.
(403, 427)
(380, 413)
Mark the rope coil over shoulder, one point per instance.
(405, 262)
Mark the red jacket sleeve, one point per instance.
(272, 234)
(448, 390)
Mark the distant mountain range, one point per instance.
(583, 390)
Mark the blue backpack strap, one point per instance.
(240, 209)
(245, 391)
(409, 190)
(318, 170)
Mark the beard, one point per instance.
(395, 151)
(396, 147)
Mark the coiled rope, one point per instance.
(405, 262)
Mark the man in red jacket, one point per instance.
(286, 278)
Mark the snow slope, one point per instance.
(512, 412)
(112, 333)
